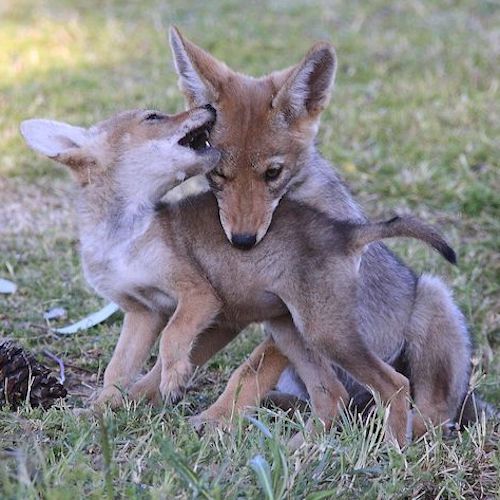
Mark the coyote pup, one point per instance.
(266, 129)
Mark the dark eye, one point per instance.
(273, 172)
(153, 116)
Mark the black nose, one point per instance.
(210, 108)
(244, 241)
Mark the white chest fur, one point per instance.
(128, 264)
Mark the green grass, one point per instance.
(414, 125)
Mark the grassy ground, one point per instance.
(414, 125)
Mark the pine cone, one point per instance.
(20, 371)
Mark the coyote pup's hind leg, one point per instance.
(246, 386)
(439, 353)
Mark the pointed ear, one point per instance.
(200, 75)
(57, 140)
(307, 89)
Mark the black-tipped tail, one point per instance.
(449, 254)
(406, 226)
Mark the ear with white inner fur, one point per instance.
(57, 140)
(200, 74)
(307, 90)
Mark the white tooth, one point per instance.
(207, 144)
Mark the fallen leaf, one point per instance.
(7, 286)
(89, 321)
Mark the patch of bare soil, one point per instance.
(35, 207)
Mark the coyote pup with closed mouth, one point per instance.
(173, 261)
(266, 129)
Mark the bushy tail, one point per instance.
(406, 226)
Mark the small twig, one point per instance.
(59, 361)
(79, 368)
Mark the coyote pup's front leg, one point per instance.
(197, 307)
(139, 332)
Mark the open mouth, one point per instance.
(197, 138)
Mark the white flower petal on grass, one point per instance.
(89, 321)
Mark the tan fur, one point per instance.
(197, 307)
(247, 385)
(247, 202)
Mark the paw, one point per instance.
(174, 380)
(110, 396)
(313, 428)
(144, 390)
(200, 422)
(396, 432)
(209, 420)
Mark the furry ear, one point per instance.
(307, 89)
(200, 74)
(57, 140)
